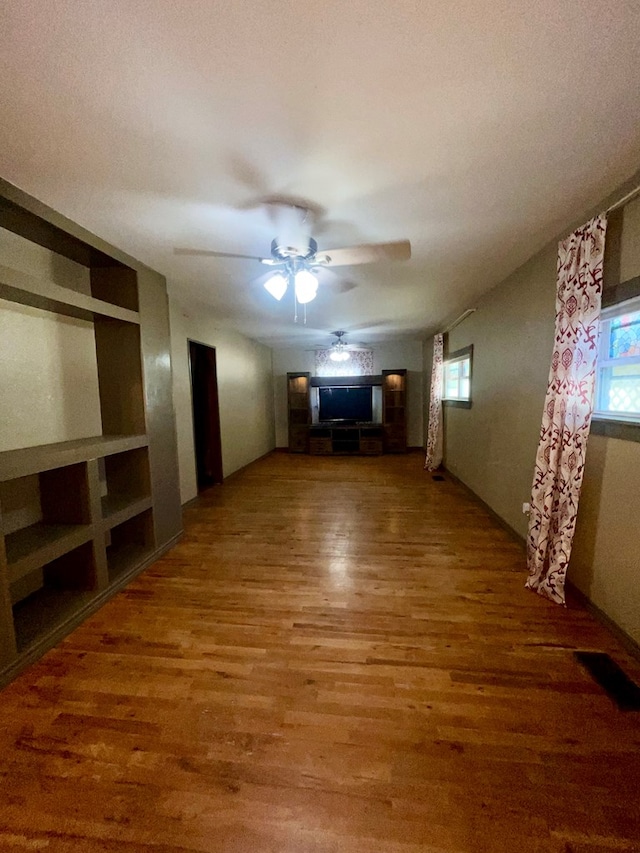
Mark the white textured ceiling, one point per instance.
(476, 128)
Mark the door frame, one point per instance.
(216, 477)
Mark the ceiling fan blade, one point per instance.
(400, 250)
(208, 253)
(332, 279)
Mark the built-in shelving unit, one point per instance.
(77, 517)
(394, 410)
(298, 404)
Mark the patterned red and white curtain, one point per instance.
(567, 410)
(434, 431)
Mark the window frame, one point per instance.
(604, 360)
(622, 299)
(458, 355)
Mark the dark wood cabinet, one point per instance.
(299, 411)
(341, 440)
(334, 437)
(394, 410)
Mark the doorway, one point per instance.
(206, 415)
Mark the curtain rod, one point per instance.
(620, 203)
(625, 198)
(455, 323)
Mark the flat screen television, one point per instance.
(346, 403)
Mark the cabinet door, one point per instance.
(298, 439)
(394, 410)
(298, 411)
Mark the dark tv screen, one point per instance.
(346, 403)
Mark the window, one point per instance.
(456, 380)
(618, 370)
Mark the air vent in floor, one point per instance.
(619, 687)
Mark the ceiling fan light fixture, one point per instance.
(339, 353)
(306, 285)
(276, 285)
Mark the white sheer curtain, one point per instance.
(433, 458)
(567, 410)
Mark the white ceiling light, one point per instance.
(304, 281)
(306, 285)
(276, 286)
(339, 355)
(339, 351)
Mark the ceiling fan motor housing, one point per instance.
(304, 252)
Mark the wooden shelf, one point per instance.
(128, 486)
(119, 508)
(30, 548)
(342, 440)
(64, 584)
(84, 508)
(394, 412)
(329, 381)
(32, 460)
(45, 610)
(125, 559)
(299, 413)
(25, 289)
(129, 544)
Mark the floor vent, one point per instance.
(619, 687)
(437, 477)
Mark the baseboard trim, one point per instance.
(628, 642)
(46, 643)
(521, 540)
(193, 501)
(248, 465)
(625, 640)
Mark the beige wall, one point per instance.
(491, 447)
(245, 388)
(49, 376)
(605, 563)
(386, 356)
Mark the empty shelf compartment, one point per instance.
(48, 597)
(129, 544)
(33, 546)
(44, 515)
(126, 485)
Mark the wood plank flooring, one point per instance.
(339, 657)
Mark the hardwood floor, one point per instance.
(339, 657)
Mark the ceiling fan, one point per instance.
(340, 350)
(296, 259)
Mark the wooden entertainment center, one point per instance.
(309, 434)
